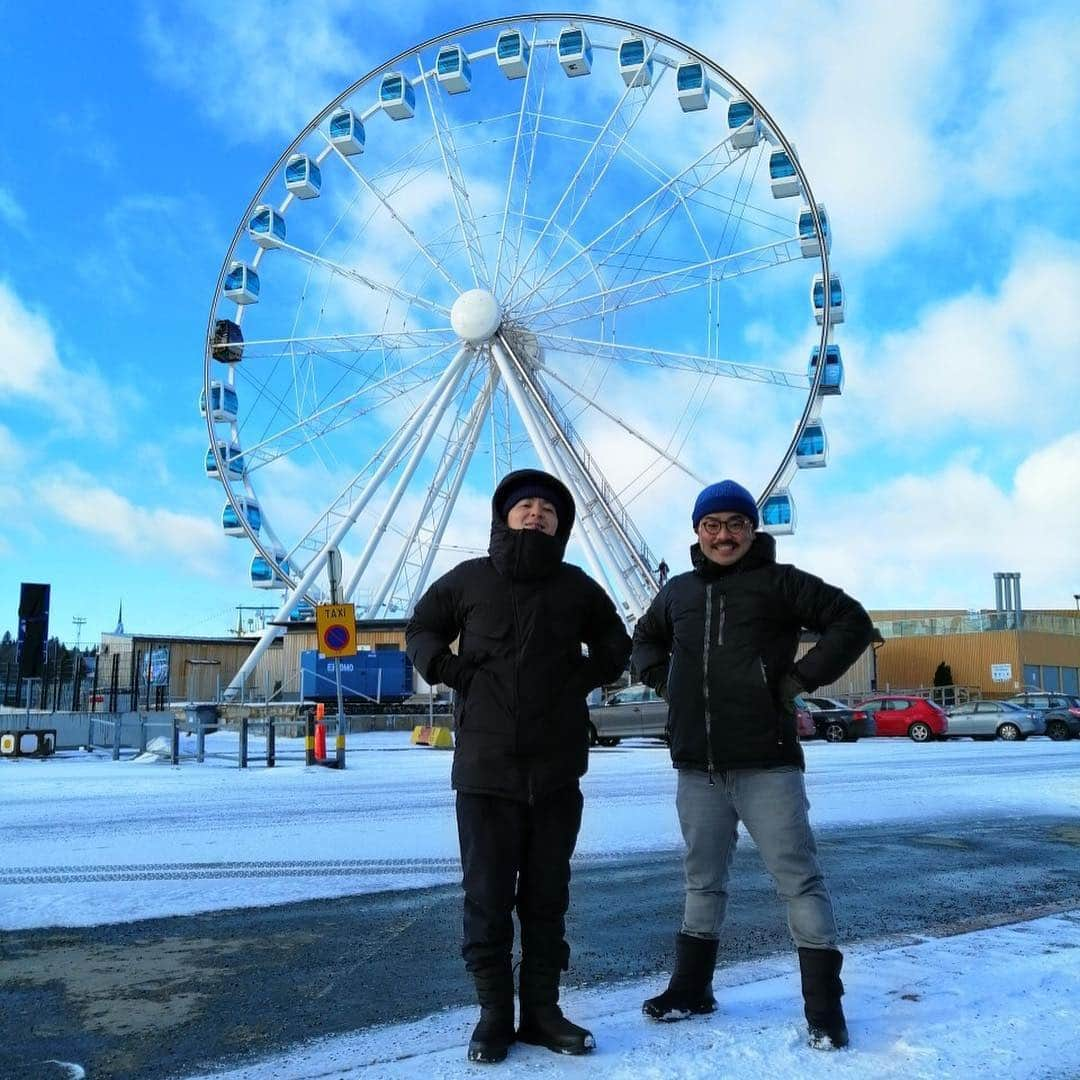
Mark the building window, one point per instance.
(1070, 682)
(1051, 678)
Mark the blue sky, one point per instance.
(941, 136)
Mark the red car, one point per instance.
(919, 719)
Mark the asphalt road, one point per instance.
(215, 989)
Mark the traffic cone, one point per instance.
(320, 738)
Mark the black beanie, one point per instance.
(535, 489)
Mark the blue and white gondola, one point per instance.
(778, 513)
(692, 86)
(812, 448)
(267, 227)
(347, 132)
(808, 241)
(223, 403)
(744, 125)
(264, 575)
(242, 284)
(233, 458)
(634, 68)
(832, 378)
(228, 342)
(574, 51)
(397, 97)
(303, 612)
(782, 175)
(303, 177)
(836, 299)
(452, 69)
(230, 520)
(512, 54)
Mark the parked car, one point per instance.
(919, 719)
(1061, 712)
(637, 711)
(993, 720)
(836, 722)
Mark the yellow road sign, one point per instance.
(336, 627)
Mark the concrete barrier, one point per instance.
(438, 737)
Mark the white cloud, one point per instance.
(940, 536)
(144, 532)
(11, 211)
(31, 368)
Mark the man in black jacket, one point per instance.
(520, 617)
(718, 643)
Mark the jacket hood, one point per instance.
(762, 553)
(528, 553)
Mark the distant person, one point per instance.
(520, 617)
(662, 572)
(718, 643)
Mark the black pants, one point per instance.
(516, 854)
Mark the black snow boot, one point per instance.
(542, 1021)
(492, 1036)
(690, 991)
(822, 989)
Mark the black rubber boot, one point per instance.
(542, 1021)
(690, 991)
(492, 1036)
(822, 990)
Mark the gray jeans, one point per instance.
(772, 804)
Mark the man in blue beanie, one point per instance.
(719, 643)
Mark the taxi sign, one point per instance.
(335, 625)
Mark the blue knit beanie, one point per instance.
(727, 495)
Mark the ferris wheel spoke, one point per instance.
(327, 418)
(626, 426)
(627, 102)
(361, 343)
(431, 420)
(375, 285)
(405, 227)
(680, 187)
(660, 286)
(525, 140)
(455, 175)
(416, 554)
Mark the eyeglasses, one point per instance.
(737, 526)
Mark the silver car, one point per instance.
(993, 720)
(635, 712)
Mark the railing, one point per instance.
(980, 622)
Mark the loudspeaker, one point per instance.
(33, 630)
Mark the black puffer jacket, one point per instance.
(521, 616)
(719, 643)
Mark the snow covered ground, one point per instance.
(87, 841)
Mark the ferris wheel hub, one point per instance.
(475, 316)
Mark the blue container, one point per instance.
(383, 674)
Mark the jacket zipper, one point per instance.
(705, 669)
(514, 698)
(779, 718)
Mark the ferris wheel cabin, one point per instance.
(228, 342)
(230, 520)
(812, 447)
(347, 132)
(234, 461)
(267, 227)
(512, 54)
(743, 123)
(303, 177)
(836, 299)
(396, 96)
(264, 575)
(832, 378)
(782, 175)
(808, 241)
(692, 86)
(778, 513)
(242, 284)
(223, 403)
(574, 51)
(634, 68)
(452, 69)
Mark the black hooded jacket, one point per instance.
(520, 616)
(719, 643)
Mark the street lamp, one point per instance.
(1076, 597)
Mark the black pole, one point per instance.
(114, 686)
(133, 680)
(243, 742)
(76, 682)
(93, 686)
(271, 749)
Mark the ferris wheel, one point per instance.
(555, 240)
